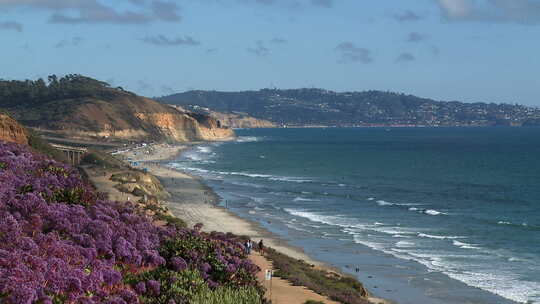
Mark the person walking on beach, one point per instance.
(249, 246)
(261, 247)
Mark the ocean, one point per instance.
(428, 215)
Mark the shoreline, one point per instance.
(202, 206)
(195, 202)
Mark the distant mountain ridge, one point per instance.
(314, 107)
(76, 106)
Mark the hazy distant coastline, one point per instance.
(318, 107)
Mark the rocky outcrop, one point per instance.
(139, 184)
(238, 120)
(187, 127)
(11, 130)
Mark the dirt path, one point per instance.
(282, 292)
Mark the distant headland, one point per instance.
(318, 107)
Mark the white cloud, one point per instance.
(456, 8)
(510, 11)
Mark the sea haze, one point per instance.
(438, 215)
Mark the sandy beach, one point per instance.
(194, 202)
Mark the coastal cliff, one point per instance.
(80, 107)
(11, 130)
(237, 120)
(234, 120)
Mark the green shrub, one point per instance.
(171, 220)
(227, 295)
(177, 286)
(40, 145)
(101, 159)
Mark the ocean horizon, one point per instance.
(427, 215)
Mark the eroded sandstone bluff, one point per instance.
(11, 130)
(76, 106)
(130, 117)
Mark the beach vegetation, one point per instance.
(102, 160)
(337, 287)
(228, 295)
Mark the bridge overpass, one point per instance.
(74, 154)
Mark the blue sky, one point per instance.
(467, 50)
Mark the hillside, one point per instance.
(62, 242)
(304, 107)
(80, 107)
(11, 130)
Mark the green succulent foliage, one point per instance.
(177, 286)
(73, 196)
(182, 246)
(227, 295)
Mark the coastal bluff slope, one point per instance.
(11, 130)
(76, 106)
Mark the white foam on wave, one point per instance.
(296, 227)
(427, 211)
(196, 169)
(266, 176)
(504, 223)
(401, 236)
(504, 284)
(497, 281)
(245, 184)
(370, 198)
(405, 244)
(193, 156)
(372, 245)
(244, 139)
(433, 212)
(440, 237)
(384, 203)
(290, 179)
(350, 226)
(464, 245)
(204, 149)
(254, 175)
(302, 199)
(315, 217)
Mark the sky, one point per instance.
(465, 50)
